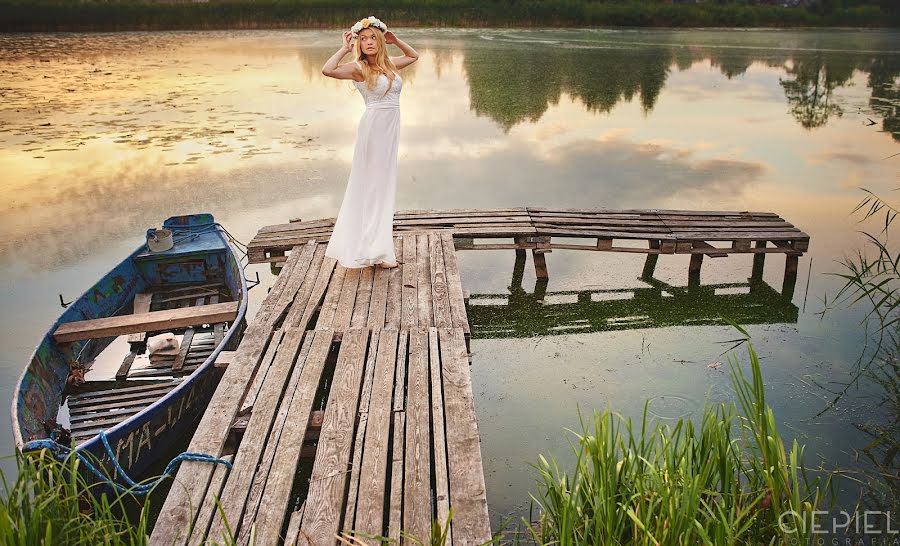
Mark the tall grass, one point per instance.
(51, 502)
(66, 15)
(726, 480)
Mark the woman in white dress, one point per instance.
(363, 231)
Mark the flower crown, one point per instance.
(370, 21)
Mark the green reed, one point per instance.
(65, 15)
(726, 480)
(51, 502)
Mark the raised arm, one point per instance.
(409, 54)
(346, 71)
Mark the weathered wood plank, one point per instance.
(318, 292)
(307, 288)
(417, 463)
(141, 304)
(439, 293)
(186, 495)
(441, 477)
(375, 457)
(261, 372)
(454, 285)
(468, 498)
(344, 311)
(378, 303)
(183, 351)
(409, 292)
(395, 508)
(276, 495)
(363, 419)
(208, 509)
(360, 315)
(273, 442)
(332, 296)
(423, 268)
(395, 282)
(237, 487)
(151, 321)
(322, 516)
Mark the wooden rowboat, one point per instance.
(143, 404)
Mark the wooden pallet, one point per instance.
(395, 344)
(664, 231)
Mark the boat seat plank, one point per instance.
(146, 322)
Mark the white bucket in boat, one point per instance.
(159, 240)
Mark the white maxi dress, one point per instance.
(363, 231)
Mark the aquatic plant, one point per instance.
(728, 480)
(51, 502)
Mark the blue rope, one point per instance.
(135, 488)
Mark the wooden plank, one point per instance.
(417, 463)
(277, 439)
(360, 314)
(261, 371)
(187, 493)
(141, 304)
(322, 516)
(441, 477)
(292, 286)
(220, 474)
(454, 285)
(400, 381)
(344, 312)
(123, 370)
(119, 397)
(439, 294)
(423, 267)
(375, 457)
(468, 499)
(276, 495)
(362, 419)
(307, 291)
(409, 291)
(234, 495)
(186, 340)
(318, 292)
(395, 508)
(280, 443)
(725, 235)
(293, 529)
(378, 304)
(265, 309)
(332, 296)
(224, 359)
(395, 282)
(146, 322)
(118, 387)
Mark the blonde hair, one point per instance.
(383, 63)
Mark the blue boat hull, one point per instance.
(202, 254)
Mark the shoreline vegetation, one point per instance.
(722, 480)
(144, 15)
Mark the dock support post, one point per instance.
(650, 262)
(540, 264)
(518, 272)
(790, 275)
(694, 270)
(759, 262)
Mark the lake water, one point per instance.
(104, 135)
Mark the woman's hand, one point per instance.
(390, 38)
(348, 39)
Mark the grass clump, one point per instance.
(51, 502)
(727, 480)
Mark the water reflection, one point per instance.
(602, 73)
(655, 305)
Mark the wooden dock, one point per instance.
(383, 354)
(652, 232)
(364, 373)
